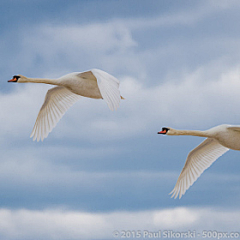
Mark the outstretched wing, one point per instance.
(198, 160)
(109, 88)
(57, 101)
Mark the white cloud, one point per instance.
(54, 50)
(73, 47)
(65, 224)
(19, 109)
(179, 217)
(51, 50)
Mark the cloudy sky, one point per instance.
(178, 63)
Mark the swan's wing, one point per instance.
(109, 88)
(235, 128)
(56, 103)
(87, 75)
(198, 160)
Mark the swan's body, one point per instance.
(219, 140)
(95, 84)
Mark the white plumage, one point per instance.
(219, 140)
(94, 83)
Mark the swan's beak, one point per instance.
(13, 80)
(162, 132)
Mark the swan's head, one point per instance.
(165, 130)
(18, 78)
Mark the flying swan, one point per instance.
(94, 83)
(219, 140)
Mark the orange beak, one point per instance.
(13, 80)
(162, 132)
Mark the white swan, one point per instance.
(219, 140)
(94, 83)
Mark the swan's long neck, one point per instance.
(41, 80)
(189, 132)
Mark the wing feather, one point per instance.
(198, 160)
(57, 101)
(109, 88)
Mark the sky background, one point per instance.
(178, 63)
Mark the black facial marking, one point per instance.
(164, 130)
(16, 77)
